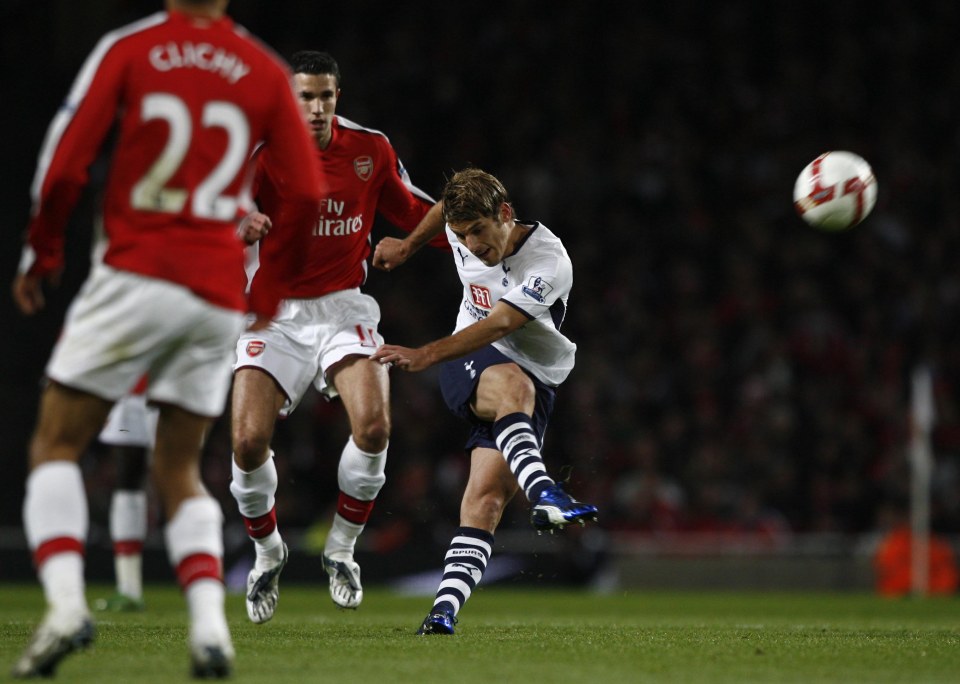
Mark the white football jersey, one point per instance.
(536, 280)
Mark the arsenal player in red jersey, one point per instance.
(322, 335)
(191, 95)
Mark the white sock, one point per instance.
(269, 550)
(255, 491)
(197, 527)
(62, 579)
(208, 622)
(128, 568)
(55, 508)
(361, 474)
(342, 539)
(128, 530)
(195, 546)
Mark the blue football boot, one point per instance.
(556, 509)
(439, 622)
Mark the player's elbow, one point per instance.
(504, 319)
(500, 326)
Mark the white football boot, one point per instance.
(345, 588)
(263, 590)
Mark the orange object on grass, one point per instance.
(893, 566)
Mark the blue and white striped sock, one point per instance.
(464, 565)
(518, 442)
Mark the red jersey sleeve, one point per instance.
(403, 204)
(70, 147)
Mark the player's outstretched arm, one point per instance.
(502, 321)
(391, 252)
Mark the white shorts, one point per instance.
(122, 326)
(307, 337)
(131, 423)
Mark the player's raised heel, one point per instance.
(439, 622)
(55, 639)
(556, 509)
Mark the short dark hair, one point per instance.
(198, 3)
(315, 62)
(472, 194)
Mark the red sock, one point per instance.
(354, 510)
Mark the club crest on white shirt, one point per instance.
(255, 347)
(364, 167)
(537, 288)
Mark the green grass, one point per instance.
(535, 636)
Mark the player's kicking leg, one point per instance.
(553, 508)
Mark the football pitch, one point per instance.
(528, 635)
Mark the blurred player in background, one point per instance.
(129, 432)
(192, 95)
(322, 336)
(501, 368)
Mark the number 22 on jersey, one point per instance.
(152, 192)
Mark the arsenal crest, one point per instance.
(255, 347)
(364, 167)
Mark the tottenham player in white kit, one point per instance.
(501, 367)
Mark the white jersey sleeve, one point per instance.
(547, 281)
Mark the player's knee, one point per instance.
(250, 449)
(373, 436)
(519, 393)
(485, 511)
(492, 506)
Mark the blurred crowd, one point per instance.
(737, 371)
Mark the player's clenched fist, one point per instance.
(254, 227)
(27, 293)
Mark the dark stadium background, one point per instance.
(738, 373)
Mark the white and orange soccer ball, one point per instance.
(835, 191)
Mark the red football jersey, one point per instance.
(192, 98)
(363, 176)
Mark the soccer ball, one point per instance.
(835, 191)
